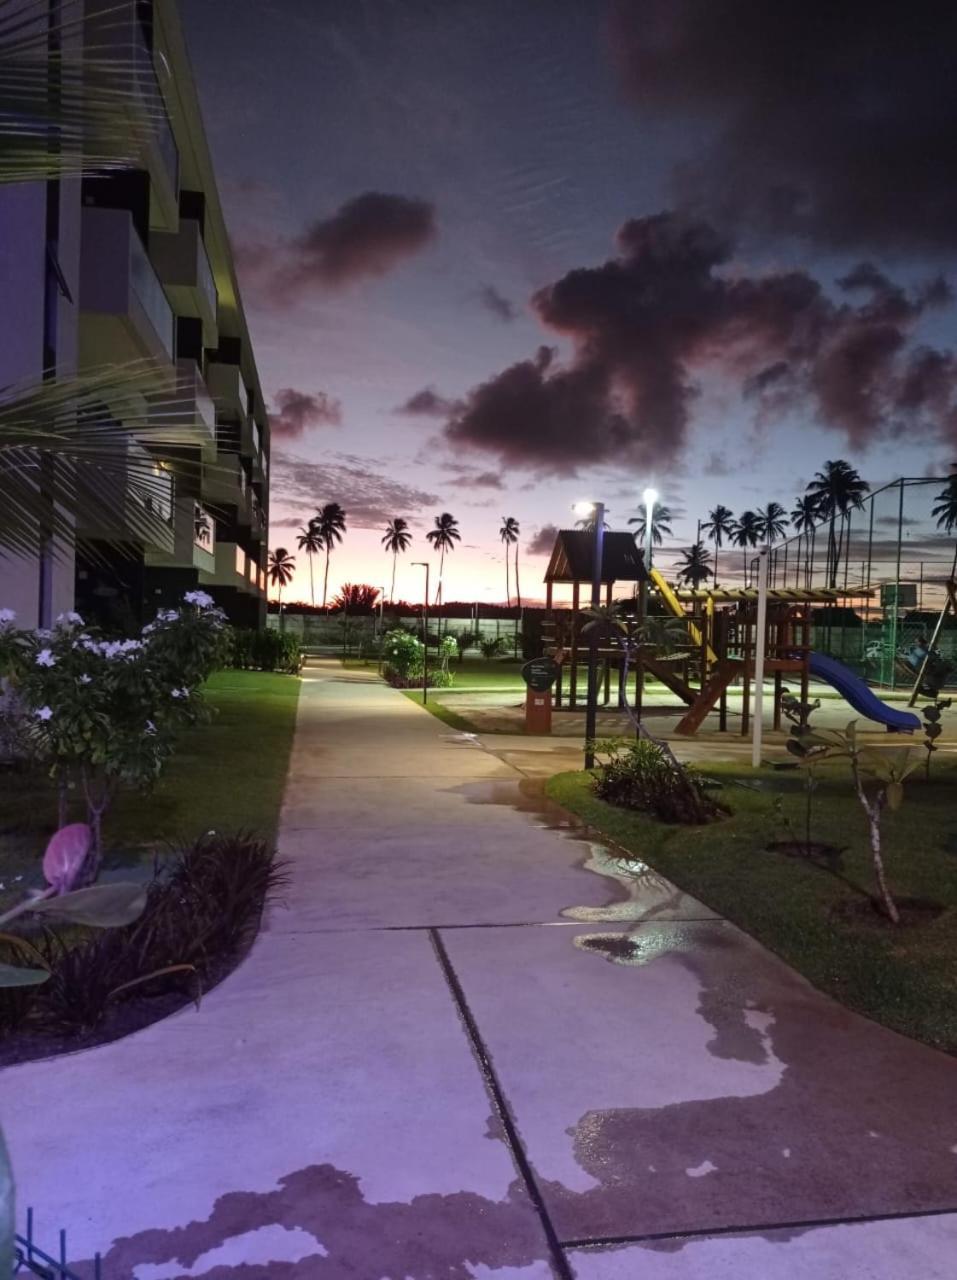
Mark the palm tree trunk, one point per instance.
(395, 553)
(508, 593)
(325, 580)
(312, 583)
(518, 589)
(832, 552)
(717, 548)
(438, 590)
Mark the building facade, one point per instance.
(132, 267)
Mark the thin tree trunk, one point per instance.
(518, 589)
(395, 553)
(508, 593)
(717, 548)
(873, 811)
(312, 583)
(325, 581)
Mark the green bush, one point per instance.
(268, 650)
(639, 775)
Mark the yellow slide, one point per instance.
(673, 604)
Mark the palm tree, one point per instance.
(310, 541)
(396, 538)
(773, 522)
(661, 518)
(717, 527)
(281, 567)
(838, 488)
(509, 534)
(330, 523)
(695, 565)
(443, 538)
(746, 532)
(945, 510)
(804, 517)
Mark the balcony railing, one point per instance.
(149, 292)
(204, 278)
(153, 96)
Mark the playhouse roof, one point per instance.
(571, 559)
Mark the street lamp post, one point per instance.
(424, 564)
(597, 510)
(650, 497)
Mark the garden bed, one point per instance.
(820, 922)
(201, 914)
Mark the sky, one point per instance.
(500, 257)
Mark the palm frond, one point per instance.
(76, 97)
(96, 449)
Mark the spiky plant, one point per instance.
(78, 93)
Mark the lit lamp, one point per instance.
(597, 511)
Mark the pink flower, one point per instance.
(65, 855)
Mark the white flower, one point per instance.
(7, 617)
(150, 727)
(45, 658)
(44, 713)
(180, 693)
(202, 599)
(69, 619)
(85, 679)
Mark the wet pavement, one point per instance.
(474, 1044)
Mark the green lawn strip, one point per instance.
(905, 978)
(226, 774)
(441, 711)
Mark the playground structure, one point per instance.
(718, 647)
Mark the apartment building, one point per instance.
(133, 266)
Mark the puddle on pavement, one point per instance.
(640, 892)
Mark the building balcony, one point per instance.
(193, 540)
(226, 486)
(125, 315)
(114, 30)
(188, 416)
(183, 266)
(258, 523)
(135, 503)
(231, 568)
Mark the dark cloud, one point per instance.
(646, 325)
(296, 411)
(427, 403)
(370, 498)
(467, 477)
(716, 464)
(832, 121)
(367, 236)
(542, 541)
(497, 303)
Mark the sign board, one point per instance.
(540, 674)
(901, 594)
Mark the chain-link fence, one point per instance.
(359, 635)
(893, 563)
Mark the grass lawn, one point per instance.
(904, 977)
(226, 774)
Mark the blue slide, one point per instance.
(861, 697)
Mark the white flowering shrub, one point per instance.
(101, 713)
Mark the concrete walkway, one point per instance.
(472, 1046)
